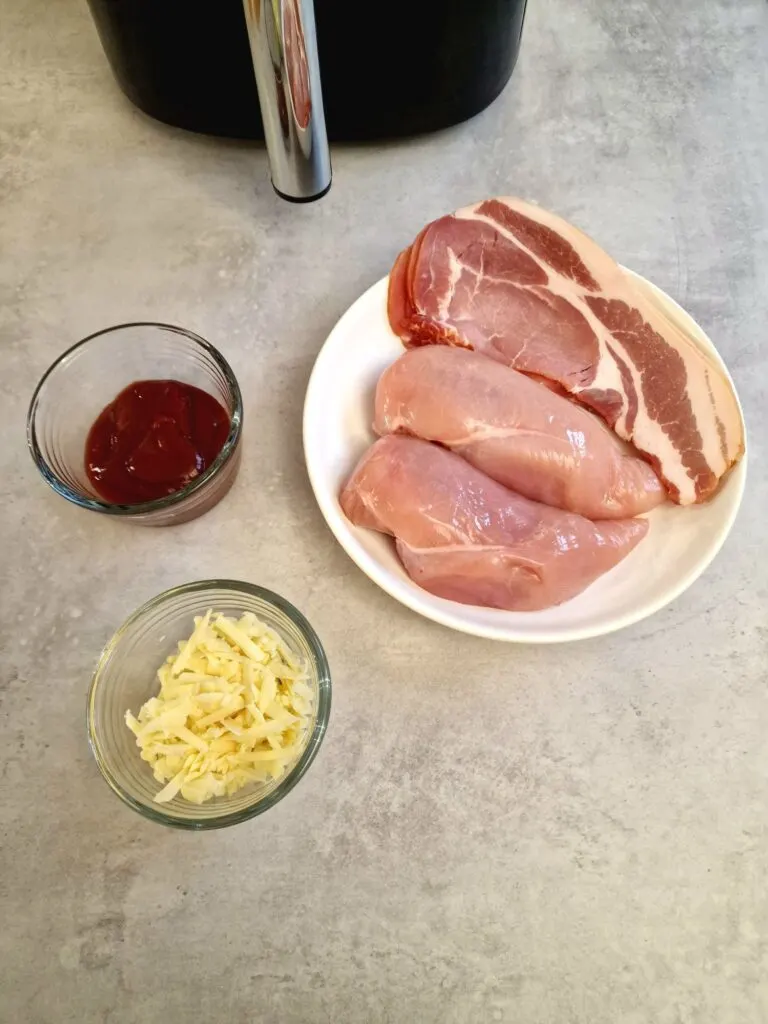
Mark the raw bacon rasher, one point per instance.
(526, 288)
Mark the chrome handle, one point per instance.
(284, 52)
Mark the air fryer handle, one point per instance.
(284, 50)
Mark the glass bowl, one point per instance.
(88, 376)
(126, 677)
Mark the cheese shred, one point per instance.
(234, 707)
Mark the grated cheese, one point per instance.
(234, 707)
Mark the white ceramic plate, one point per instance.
(338, 411)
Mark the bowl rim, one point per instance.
(158, 504)
(293, 776)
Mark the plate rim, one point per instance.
(381, 576)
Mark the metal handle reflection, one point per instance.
(284, 51)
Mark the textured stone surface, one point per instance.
(490, 833)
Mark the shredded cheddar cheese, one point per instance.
(234, 707)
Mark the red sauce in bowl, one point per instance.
(152, 440)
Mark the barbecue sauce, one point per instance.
(153, 439)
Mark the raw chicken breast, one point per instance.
(464, 537)
(518, 432)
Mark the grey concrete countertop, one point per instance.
(571, 835)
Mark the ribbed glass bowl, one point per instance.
(88, 376)
(126, 677)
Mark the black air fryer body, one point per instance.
(387, 70)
